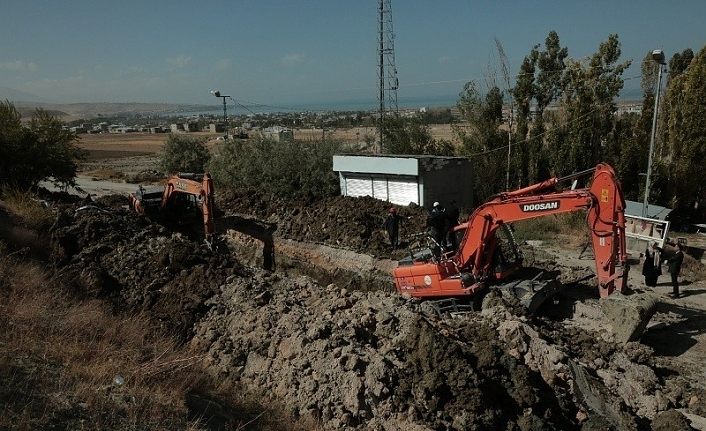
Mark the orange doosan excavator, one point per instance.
(184, 195)
(480, 261)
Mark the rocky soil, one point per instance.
(362, 359)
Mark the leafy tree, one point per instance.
(39, 151)
(482, 139)
(588, 108)
(184, 154)
(631, 148)
(285, 169)
(685, 143)
(524, 92)
(412, 136)
(679, 62)
(538, 85)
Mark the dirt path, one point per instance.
(676, 333)
(96, 188)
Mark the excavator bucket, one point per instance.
(531, 293)
(629, 314)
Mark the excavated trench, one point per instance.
(323, 263)
(340, 347)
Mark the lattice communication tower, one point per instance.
(387, 71)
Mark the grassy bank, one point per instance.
(70, 363)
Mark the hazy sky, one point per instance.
(304, 51)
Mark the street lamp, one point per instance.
(658, 57)
(225, 116)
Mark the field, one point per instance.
(112, 146)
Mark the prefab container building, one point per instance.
(404, 179)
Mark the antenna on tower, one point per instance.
(387, 71)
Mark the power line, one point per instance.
(541, 134)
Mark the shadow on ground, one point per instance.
(678, 334)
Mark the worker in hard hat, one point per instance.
(392, 226)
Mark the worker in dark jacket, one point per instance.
(651, 268)
(392, 226)
(675, 268)
(452, 215)
(437, 223)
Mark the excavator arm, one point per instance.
(471, 268)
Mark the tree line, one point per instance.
(566, 120)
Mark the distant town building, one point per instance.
(177, 127)
(79, 129)
(278, 134)
(216, 128)
(630, 108)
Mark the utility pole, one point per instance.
(225, 115)
(387, 71)
(658, 57)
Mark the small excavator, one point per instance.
(184, 196)
(481, 263)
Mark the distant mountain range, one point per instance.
(26, 103)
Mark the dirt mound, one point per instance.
(354, 223)
(139, 266)
(353, 359)
(671, 420)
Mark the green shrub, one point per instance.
(184, 154)
(37, 151)
(285, 169)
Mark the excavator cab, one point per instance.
(146, 200)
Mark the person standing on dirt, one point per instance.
(452, 215)
(392, 226)
(652, 269)
(675, 268)
(437, 223)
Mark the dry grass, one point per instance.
(28, 208)
(59, 359)
(105, 174)
(89, 347)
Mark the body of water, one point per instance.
(348, 105)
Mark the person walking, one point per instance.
(675, 262)
(392, 226)
(652, 269)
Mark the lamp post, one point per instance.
(225, 116)
(658, 57)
